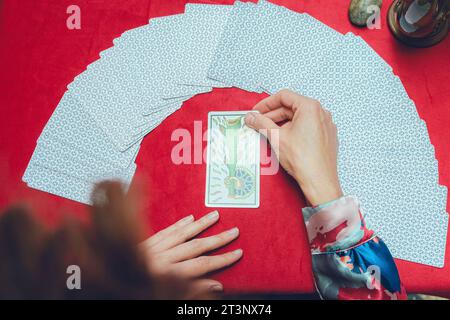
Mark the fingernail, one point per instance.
(213, 215)
(233, 232)
(216, 288)
(250, 118)
(238, 252)
(188, 219)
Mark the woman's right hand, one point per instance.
(306, 145)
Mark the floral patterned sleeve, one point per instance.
(349, 261)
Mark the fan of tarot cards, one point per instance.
(385, 156)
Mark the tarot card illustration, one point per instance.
(233, 159)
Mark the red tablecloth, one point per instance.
(39, 57)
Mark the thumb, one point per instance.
(260, 123)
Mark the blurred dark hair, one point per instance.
(34, 258)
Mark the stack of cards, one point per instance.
(385, 155)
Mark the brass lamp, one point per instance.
(419, 23)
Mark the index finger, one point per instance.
(186, 232)
(157, 237)
(284, 98)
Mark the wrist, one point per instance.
(319, 192)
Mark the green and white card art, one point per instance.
(233, 162)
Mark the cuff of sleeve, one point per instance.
(336, 225)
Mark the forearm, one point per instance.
(349, 261)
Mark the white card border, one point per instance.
(258, 168)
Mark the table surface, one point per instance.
(39, 57)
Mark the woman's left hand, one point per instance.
(174, 252)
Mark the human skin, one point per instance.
(306, 144)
